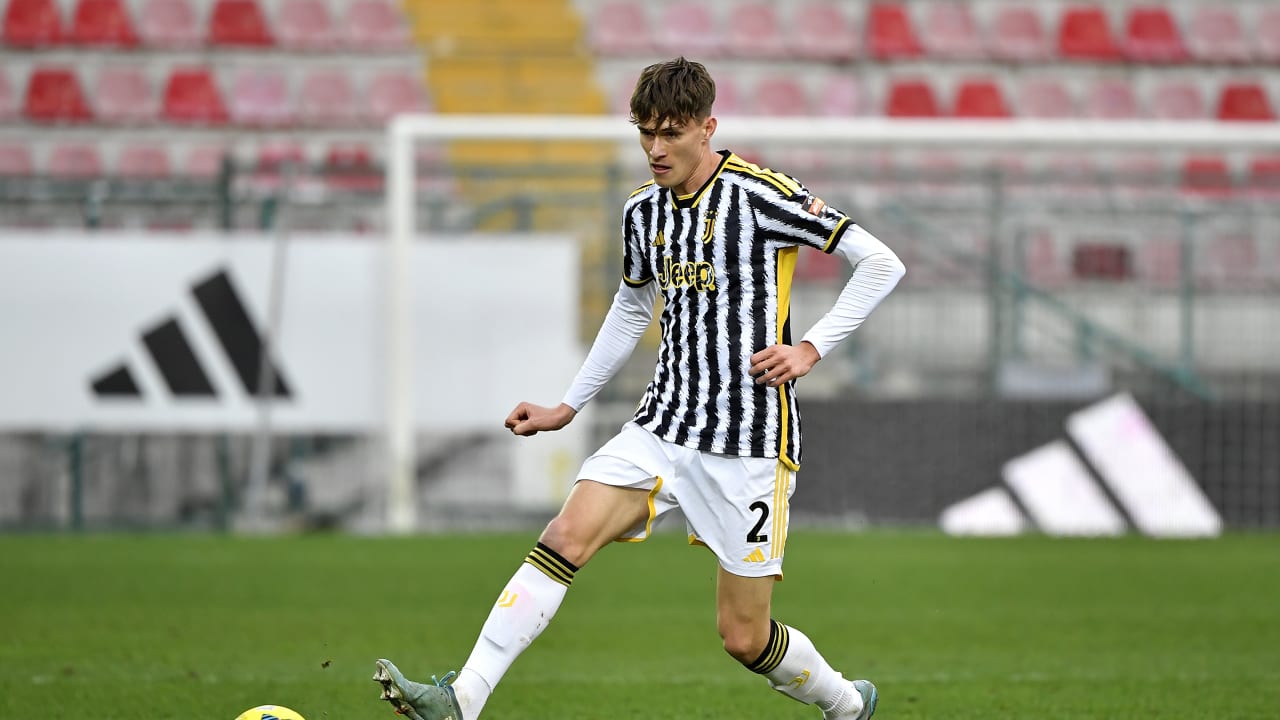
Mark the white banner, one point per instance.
(121, 332)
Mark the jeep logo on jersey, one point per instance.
(700, 276)
(180, 366)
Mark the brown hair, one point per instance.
(678, 90)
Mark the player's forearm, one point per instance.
(876, 271)
(627, 319)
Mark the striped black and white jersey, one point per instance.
(723, 259)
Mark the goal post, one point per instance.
(406, 131)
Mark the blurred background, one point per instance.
(194, 218)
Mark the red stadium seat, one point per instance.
(327, 97)
(621, 28)
(392, 92)
(1178, 99)
(305, 25)
(32, 23)
(841, 95)
(1152, 36)
(1206, 176)
(728, 98)
(1045, 97)
(822, 31)
(143, 161)
(950, 31)
(1244, 101)
(272, 160)
(1018, 34)
(375, 25)
(204, 161)
(755, 31)
(1084, 33)
(239, 23)
(912, 98)
(1267, 34)
(690, 28)
(169, 24)
(891, 32)
(349, 166)
(780, 95)
(1264, 176)
(104, 23)
(1101, 260)
(191, 96)
(75, 160)
(1217, 35)
(15, 159)
(54, 95)
(980, 98)
(123, 94)
(8, 104)
(260, 97)
(1112, 98)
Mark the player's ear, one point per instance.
(708, 127)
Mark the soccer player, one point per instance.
(717, 432)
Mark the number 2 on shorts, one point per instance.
(754, 536)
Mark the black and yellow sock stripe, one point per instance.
(774, 650)
(551, 564)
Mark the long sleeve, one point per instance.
(876, 271)
(627, 319)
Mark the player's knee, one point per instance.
(742, 642)
(567, 537)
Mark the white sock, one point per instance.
(521, 613)
(796, 669)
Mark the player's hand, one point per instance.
(529, 419)
(778, 364)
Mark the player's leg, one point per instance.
(782, 653)
(593, 515)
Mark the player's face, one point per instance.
(678, 152)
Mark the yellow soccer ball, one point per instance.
(269, 712)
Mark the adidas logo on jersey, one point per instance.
(756, 556)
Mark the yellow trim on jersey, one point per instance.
(786, 269)
(653, 513)
(788, 186)
(637, 283)
(697, 197)
(640, 189)
(834, 234)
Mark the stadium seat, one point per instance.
(15, 159)
(950, 31)
(239, 23)
(1216, 34)
(169, 24)
(979, 98)
(1142, 178)
(1074, 177)
(103, 23)
(8, 105)
(1101, 259)
(1045, 97)
(729, 98)
(689, 28)
(1159, 262)
(271, 161)
(1111, 98)
(349, 166)
(143, 161)
(375, 25)
(1206, 176)
(1267, 34)
(76, 160)
(204, 161)
(32, 23)
(1152, 36)
(54, 95)
(841, 95)
(1084, 33)
(780, 95)
(260, 97)
(1245, 101)
(392, 92)
(621, 28)
(822, 31)
(1178, 99)
(912, 98)
(327, 97)
(1264, 176)
(1017, 34)
(891, 33)
(191, 96)
(123, 94)
(1229, 261)
(305, 25)
(755, 31)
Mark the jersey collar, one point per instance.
(691, 200)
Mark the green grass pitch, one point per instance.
(180, 626)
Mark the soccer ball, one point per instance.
(269, 712)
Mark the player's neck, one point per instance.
(706, 168)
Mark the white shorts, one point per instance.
(736, 506)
